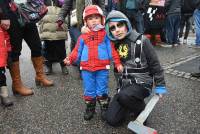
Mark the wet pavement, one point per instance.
(59, 109)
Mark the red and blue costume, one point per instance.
(94, 51)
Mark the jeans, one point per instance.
(172, 27)
(197, 25)
(185, 22)
(136, 19)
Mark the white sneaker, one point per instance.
(167, 45)
(181, 40)
(185, 41)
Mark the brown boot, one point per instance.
(40, 78)
(17, 85)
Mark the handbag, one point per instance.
(73, 18)
(30, 11)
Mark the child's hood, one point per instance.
(118, 16)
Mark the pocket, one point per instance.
(102, 51)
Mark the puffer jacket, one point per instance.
(48, 28)
(5, 47)
(94, 51)
(150, 71)
(79, 5)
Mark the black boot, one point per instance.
(48, 68)
(197, 75)
(64, 68)
(5, 100)
(104, 103)
(90, 109)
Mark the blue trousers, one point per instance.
(197, 25)
(95, 83)
(172, 27)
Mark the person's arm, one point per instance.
(153, 63)
(75, 55)
(65, 10)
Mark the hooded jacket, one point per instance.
(149, 60)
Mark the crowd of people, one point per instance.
(103, 33)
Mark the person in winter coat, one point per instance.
(173, 19)
(53, 37)
(186, 21)
(141, 66)
(94, 51)
(29, 33)
(5, 49)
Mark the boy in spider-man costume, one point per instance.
(94, 51)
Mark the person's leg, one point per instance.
(74, 34)
(197, 25)
(89, 87)
(115, 114)
(47, 62)
(16, 36)
(4, 95)
(102, 78)
(132, 98)
(176, 25)
(188, 26)
(32, 39)
(182, 24)
(169, 30)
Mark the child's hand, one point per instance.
(5, 24)
(85, 29)
(120, 68)
(66, 61)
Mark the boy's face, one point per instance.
(118, 29)
(93, 20)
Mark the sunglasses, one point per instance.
(119, 25)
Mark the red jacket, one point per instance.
(5, 47)
(94, 51)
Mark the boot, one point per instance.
(197, 75)
(40, 78)
(17, 86)
(48, 68)
(64, 68)
(104, 103)
(5, 100)
(90, 109)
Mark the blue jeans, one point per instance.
(74, 34)
(197, 25)
(136, 19)
(95, 83)
(172, 27)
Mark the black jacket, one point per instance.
(4, 9)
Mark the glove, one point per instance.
(59, 23)
(160, 90)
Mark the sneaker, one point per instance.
(167, 45)
(185, 41)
